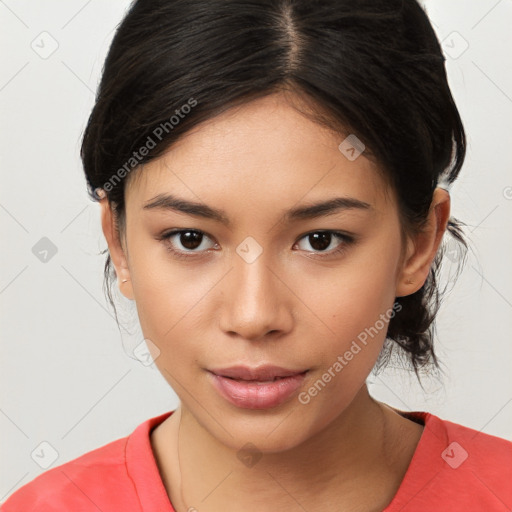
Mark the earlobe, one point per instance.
(117, 253)
(423, 249)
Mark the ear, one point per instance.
(422, 250)
(117, 253)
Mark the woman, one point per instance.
(273, 182)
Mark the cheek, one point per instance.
(168, 295)
(355, 304)
(352, 297)
(358, 310)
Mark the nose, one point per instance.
(256, 300)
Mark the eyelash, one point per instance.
(346, 239)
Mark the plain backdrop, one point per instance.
(69, 380)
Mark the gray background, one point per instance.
(69, 377)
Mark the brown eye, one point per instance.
(185, 242)
(190, 239)
(322, 240)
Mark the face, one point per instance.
(259, 286)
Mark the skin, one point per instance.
(343, 450)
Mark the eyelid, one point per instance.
(164, 237)
(345, 238)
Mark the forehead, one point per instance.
(262, 152)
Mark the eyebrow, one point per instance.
(165, 202)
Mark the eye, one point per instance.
(321, 240)
(189, 242)
(192, 242)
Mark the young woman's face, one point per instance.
(267, 288)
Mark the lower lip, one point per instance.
(250, 395)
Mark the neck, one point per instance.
(332, 470)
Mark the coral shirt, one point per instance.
(454, 469)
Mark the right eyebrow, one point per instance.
(170, 202)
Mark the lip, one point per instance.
(260, 373)
(253, 388)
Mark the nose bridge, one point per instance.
(252, 264)
(254, 279)
(255, 301)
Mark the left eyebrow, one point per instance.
(304, 212)
(323, 208)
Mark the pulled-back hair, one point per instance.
(372, 68)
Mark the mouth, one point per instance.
(266, 373)
(262, 388)
(256, 380)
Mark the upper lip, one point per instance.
(260, 373)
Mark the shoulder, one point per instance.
(461, 443)
(455, 468)
(116, 476)
(477, 466)
(481, 448)
(469, 467)
(84, 484)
